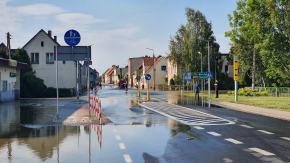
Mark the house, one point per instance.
(171, 71)
(147, 67)
(40, 49)
(110, 76)
(227, 67)
(94, 76)
(133, 65)
(10, 79)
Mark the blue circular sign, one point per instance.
(147, 76)
(72, 37)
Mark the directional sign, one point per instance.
(74, 53)
(72, 37)
(204, 75)
(187, 76)
(147, 76)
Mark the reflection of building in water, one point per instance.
(9, 119)
(42, 141)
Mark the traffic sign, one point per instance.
(147, 76)
(187, 76)
(204, 75)
(236, 70)
(72, 37)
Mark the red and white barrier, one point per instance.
(95, 106)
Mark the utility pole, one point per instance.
(8, 45)
(154, 68)
(208, 56)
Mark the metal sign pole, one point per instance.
(208, 76)
(56, 78)
(88, 85)
(236, 76)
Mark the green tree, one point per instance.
(190, 40)
(3, 54)
(260, 37)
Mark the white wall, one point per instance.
(67, 71)
(9, 94)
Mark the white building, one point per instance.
(41, 52)
(9, 79)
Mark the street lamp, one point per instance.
(154, 69)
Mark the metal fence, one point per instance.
(275, 91)
(272, 91)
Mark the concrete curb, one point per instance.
(278, 114)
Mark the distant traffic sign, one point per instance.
(72, 37)
(236, 70)
(204, 75)
(187, 76)
(147, 76)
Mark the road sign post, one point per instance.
(236, 76)
(138, 78)
(148, 78)
(73, 38)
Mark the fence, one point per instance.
(96, 107)
(275, 91)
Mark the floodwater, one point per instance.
(28, 134)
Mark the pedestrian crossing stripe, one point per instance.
(185, 115)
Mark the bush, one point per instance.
(250, 92)
(63, 92)
(172, 82)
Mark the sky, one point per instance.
(116, 29)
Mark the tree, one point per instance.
(190, 39)
(260, 37)
(3, 54)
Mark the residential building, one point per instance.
(227, 67)
(10, 79)
(110, 76)
(40, 49)
(133, 65)
(171, 70)
(147, 67)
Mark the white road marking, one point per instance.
(122, 146)
(246, 126)
(233, 141)
(199, 128)
(285, 138)
(127, 158)
(118, 137)
(266, 132)
(214, 134)
(261, 151)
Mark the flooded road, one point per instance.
(28, 134)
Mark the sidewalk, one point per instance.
(83, 116)
(279, 114)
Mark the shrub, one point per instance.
(249, 92)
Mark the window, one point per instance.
(49, 58)
(34, 58)
(163, 68)
(4, 86)
(63, 62)
(226, 68)
(42, 44)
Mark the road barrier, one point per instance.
(96, 107)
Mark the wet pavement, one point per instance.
(28, 134)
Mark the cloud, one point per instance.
(75, 19)
(39, 9)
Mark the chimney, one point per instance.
(55, 38)
(49, 33)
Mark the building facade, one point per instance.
(41, 50)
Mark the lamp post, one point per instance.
(154, 68)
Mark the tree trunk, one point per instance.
(254, 69)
